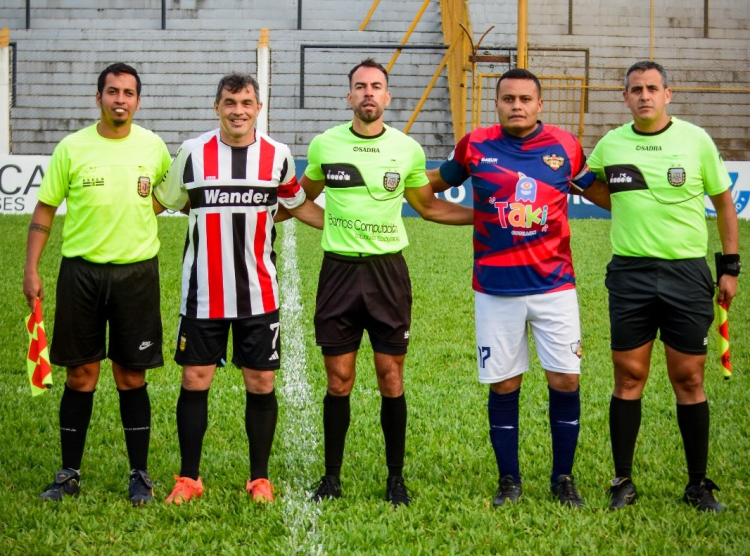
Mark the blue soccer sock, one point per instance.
(564, 415)
(503, 415)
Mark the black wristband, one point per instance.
(731, 265)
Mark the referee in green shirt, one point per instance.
(109, 274)
(367, 169)
(658, 169)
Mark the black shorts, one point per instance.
(674, 296)
(90, 295)
(256, 343)
(363, 293)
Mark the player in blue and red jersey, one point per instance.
(521, 173)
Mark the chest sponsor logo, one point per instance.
(341, 175)
(624, 177)
(144, 186)
(521, 214)
(676, 176)
(488, 160)
(553, 161)
(391, 180)
(366, 149)
(232, 196)
(656, 148)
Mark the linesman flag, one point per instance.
(37, 360)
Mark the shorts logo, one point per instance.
(553, 161)
(577, 349)
(406, 335)
(391, 180)
(274, 356)
(145, 345)
(183, 342)
(144, 186)
(676, 176)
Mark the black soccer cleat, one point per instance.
(329, 487)
(701, 496)
(564, 489)
(622, 492)
(141, 488)
(396, 491)
(508, 490)
(67, 482)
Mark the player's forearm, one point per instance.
(309, 213)
(40, 228)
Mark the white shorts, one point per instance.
(502, 338)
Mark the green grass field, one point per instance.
(450, 464)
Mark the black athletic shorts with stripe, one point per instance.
(90, 296)
(673, 296)
(370, 293)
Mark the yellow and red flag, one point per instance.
(723, 343)
(37, 360)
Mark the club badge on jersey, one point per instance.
(676, 176)
(553, 161)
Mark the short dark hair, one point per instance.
(519, 73)
(645, 65)
(117, 69)
(368, 63)
(236, 82)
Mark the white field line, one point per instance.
(300, 514)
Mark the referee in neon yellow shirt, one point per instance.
(109, 273)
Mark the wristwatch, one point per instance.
(731, 265)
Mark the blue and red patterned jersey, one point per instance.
(521, 232)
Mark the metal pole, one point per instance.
(28, 14)
(163, 14)
(523, 24)
(299, 15)
(408, 34)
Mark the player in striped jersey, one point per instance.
(231, 180)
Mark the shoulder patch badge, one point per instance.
(553, 161)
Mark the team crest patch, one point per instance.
(577, 349)
(553, 161)
(676, 176)
(144, 186)
(391, 180)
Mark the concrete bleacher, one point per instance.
(59, 57)
(68, 42)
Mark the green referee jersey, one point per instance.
(365, 179)
(107, 185)
(657, 183)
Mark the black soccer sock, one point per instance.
(693, 420)
(261, 411)
(564, 420)
(624, 424)
(75, 416)
(393, 422)
(135, 412)
(502, 410)
(336, 417)
(192, 422)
